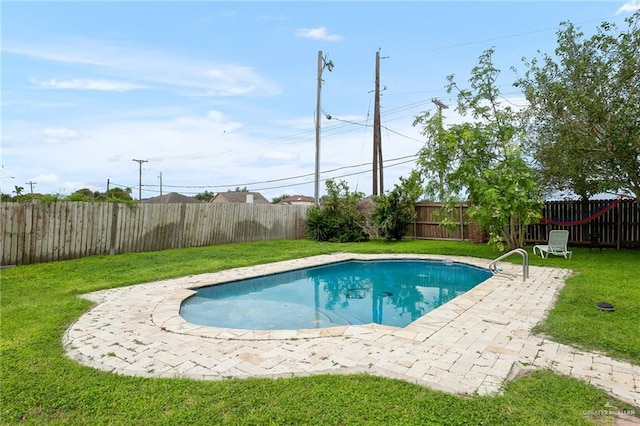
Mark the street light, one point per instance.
(322, 64)
(5, 177)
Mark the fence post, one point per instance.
(619, 226)
(461, 225)
(114, 227)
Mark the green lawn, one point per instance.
(39, 385)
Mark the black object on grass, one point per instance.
(604, 306)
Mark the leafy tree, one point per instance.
(83, 194)
(482, 160)
(119, 194)
(337, 218)
(396, 210)
(205, 196)
(78, 197)
(585, 108)
(276, 200)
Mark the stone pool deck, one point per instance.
(470, 345)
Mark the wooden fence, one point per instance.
(427, 224)
(617, 223)
(42, 232)
(617, 227)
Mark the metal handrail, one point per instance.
(525, 262)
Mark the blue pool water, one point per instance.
(390, 292)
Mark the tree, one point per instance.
(276, 200)
(84, 194)
(205, 196)
(119, 194)
(481, 160)
(337, 218)
(585, 110)
(396, 210)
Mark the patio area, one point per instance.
(470, 345)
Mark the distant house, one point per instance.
(239, 197)
(298, 200)
(172, 197)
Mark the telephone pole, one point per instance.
(440, 105)
(322, 64)
(30, 183)
(140, 177)
(377, 135)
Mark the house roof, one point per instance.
(239, 197)
(298, 199)
(172, 197)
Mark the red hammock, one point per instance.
(584, 219)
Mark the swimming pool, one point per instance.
(392, 292)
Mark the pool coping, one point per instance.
(470, 345)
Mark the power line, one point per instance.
(281, 186)
(279, 179)
(453, 46)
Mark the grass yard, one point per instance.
(39, 385)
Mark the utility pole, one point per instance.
(30, 183)
(160, 184)
(140, 177)
(378, 170)
(440, 107)
(376, 126)
(322, 63)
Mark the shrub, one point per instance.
(397, 210)
(337, 218)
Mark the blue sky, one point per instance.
(215, 95)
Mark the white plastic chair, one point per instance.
(557, 245)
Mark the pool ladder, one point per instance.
(525, 263)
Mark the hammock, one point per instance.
(585, 218)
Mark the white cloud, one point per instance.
(88, 84)
(145, 65)
(319, 33)
(46, 178)
(55, 135)
(279, 157)
(629, 7)
(208, 149)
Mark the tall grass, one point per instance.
(39, 385)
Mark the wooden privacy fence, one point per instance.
(42, 232)
(617, 222)
(427, 223)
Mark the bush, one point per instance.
(397, 210)
(337, 219)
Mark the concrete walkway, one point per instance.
(470, 345)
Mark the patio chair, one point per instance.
(557, 245)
